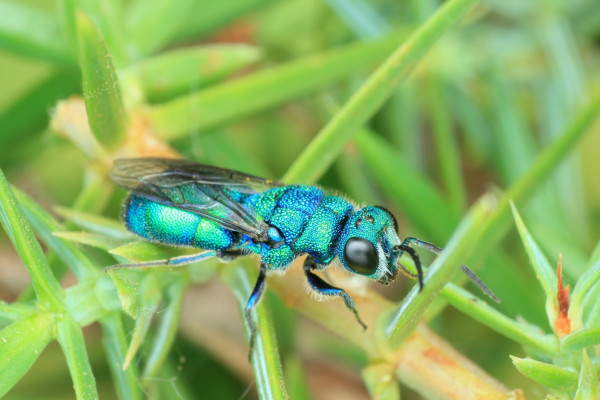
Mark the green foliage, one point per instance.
(420, 106)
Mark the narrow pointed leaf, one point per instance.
(21, 343)
(151, 28)
(581, 339)
(548, 375)
(89, 239)
(96, 223)
(10, 313)
(582, 292)
(46, 225)
(101, 90)
(482, 312)
(265, 89)
(33, 33)
(544, 272)
(167, 326)
(71, 341)
(327, 145)
(265, 357)
(587, 387)
(21, 235)
(180, 71)
(115, 345)
(149, 298)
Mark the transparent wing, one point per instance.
(208, 191)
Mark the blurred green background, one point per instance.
(474, 116)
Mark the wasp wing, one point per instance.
(210, 192)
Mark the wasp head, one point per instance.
(368, 244)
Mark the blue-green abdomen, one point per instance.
(168, 225)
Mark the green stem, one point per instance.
(327, 145)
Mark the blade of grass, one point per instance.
(360, 17)
(151, 28)
(265, 357)
(150, 296)
(322, 150)
(205, 17)
(179, 71)
(262, 90)
(448, 154)
(115, 345)
(15, 224)
(71, 341)
(33, 33)
(441, 271)
(29, 115)
(101, 90)
(21, 343)
(167, 327)
(98, 224)
(45, 227)
(581, 293)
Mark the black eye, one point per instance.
(361, 256)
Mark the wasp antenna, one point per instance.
(479, 283)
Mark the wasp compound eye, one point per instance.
(361, 256)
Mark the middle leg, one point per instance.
(322, 287)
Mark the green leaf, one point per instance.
(21, 343)
(580, 339)
(582, 293)
(140, 251)
(487, 315)
(180, 71)
(45, 225)
(115, 345)
(265, 357)
(360, 17)
(151, 28)
(588, 387)
(150, 296)
(101, 90)
(381, 382)
(205, 17)
(89, 239)
(544, 272)
(25, 118)
(95, 223)
(239, 98)
(32, 33)
(549, 375)
(446, 145)
(21, 235)
(414, 193)
(71, 341)
(167, 326)
(460, 246)
(295, 377)
(10, 313)
(327, 145)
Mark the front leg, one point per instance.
(324, 288)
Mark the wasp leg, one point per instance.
(232, 254)
(257, 292)
(324, 288)
(168, 262)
